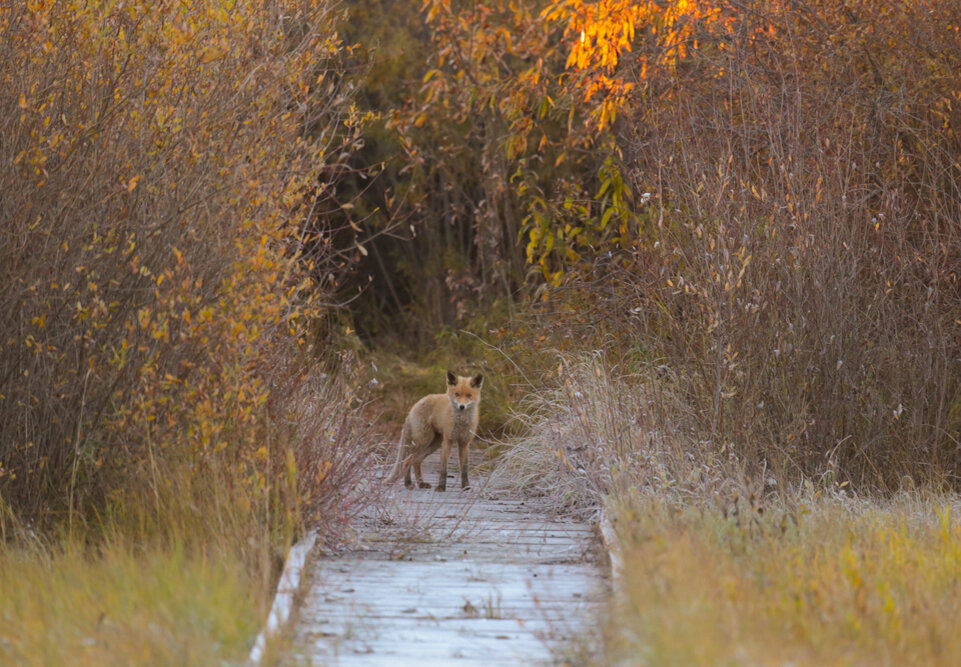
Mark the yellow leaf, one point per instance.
(132, 183)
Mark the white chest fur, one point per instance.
(464, 424)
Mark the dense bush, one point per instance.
(158, 160)
(798, 261)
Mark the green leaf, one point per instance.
(606, 218)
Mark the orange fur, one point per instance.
(440, 421)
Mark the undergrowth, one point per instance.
(67, 604)
(601, 430)
(183, 570)
(826, 581)
(727, 561)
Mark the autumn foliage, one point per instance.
(795, 258)
(762, 196)
(158, 158)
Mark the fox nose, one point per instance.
(462, 406)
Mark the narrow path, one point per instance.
(455, 578)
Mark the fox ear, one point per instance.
(476, 381)
(451, 378)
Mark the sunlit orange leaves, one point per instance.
(602, 33)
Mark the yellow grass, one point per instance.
(831, 583)
(176, 572)
(118, 606)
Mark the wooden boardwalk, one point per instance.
(455, 578)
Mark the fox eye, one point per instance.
(456, 394)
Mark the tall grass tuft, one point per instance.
(608, 430)
(830, 581)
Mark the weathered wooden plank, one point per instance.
(453, 578)
(425, 573)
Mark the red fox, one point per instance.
(439, 420)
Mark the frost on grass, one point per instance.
(605, 433)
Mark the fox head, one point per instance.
(463, 392)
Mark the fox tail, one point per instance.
(398, 470)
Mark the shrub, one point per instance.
(778, 211)
(797, 264)
(158, 160)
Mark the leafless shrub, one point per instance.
(799, 259)
(332, 444)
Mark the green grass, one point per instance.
(830, 583)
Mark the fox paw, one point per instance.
(424, 485)
(441, 488)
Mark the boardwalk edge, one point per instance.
(615, 553)
(287, 589)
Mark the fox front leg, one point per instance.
(463, 454)
(444, 455)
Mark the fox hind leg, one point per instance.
(423, 453)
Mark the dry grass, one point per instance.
(180, 574)
(726, 566)
(828, 581)
(183, 570)
(612, 430)
(68, 605)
